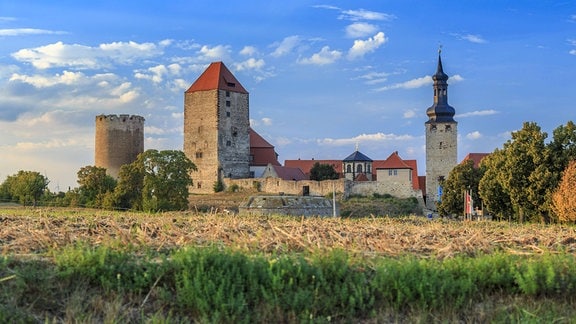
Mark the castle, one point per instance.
(219, 140)
(226, 150)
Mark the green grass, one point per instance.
(111, 283)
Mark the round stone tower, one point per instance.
(119, 140)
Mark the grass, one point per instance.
(70, 265)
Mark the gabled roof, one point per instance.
(394, 161)
(217, 77)
(357, 156)
(261, 151)
(476, 157)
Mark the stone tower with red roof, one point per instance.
(216, 128)
(441, 138)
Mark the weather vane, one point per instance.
(439, 49)
(357, 146)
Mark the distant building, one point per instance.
(284, 173)
(476, 157)
(357, 167)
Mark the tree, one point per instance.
(463, 177)
(95, 184)
(322, 171)
(128, 192)
(26, 186)
(495, 198)
(564, 197)
(157, 180)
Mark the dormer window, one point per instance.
(231, 84)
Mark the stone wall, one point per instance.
(118, 141)
(277, 185)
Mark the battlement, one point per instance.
(120, 118)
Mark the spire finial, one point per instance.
(439, 49)
(357, 146)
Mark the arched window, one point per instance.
(359, 168)
(349, 168)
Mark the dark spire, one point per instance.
(440, 111)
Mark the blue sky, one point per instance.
(323, 76)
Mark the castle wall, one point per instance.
(118, 141)
(441, 157)
(291, 187)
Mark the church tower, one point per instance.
(441, 138)
(216, 128)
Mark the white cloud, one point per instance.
(361, 47)
(219, 52)
(573, 52)
(157, 73)
(267, 121)
(474, 135)
(39, 81)
(250, 64)
(473, 38)
(286, 46)
(360, 29)
(410, 113)
(248, 51)
(377, 137)
(410, 84)
(86, 57)
(477, 113)
(325, 56)
(362, 14)
(28, 31)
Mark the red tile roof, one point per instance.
(394, 161)
(261, 151)
(306, 165)
(476, 157)
(217, 76)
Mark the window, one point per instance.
(390, 173)
(228, 143)
(231, 84)
(395, 172)
(227, 103)
(448, 128)
(348, 168)
(198, 155)
(227, 114)
(227, 93)
(359, 168)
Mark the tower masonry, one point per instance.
(216, 128)
(441, 139)
(119, 140)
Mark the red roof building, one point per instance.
(217, 76)
(476, 157)
(262, 153)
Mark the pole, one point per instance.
(333, 199)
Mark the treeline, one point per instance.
(528, 179)
(156, 181)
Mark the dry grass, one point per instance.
(32, 231)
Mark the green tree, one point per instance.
(26, 186)
(463, 177)
(128, 192)
(321, 171)
(495, 198)
(95, 184)
(525, 174)
(157, 180)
